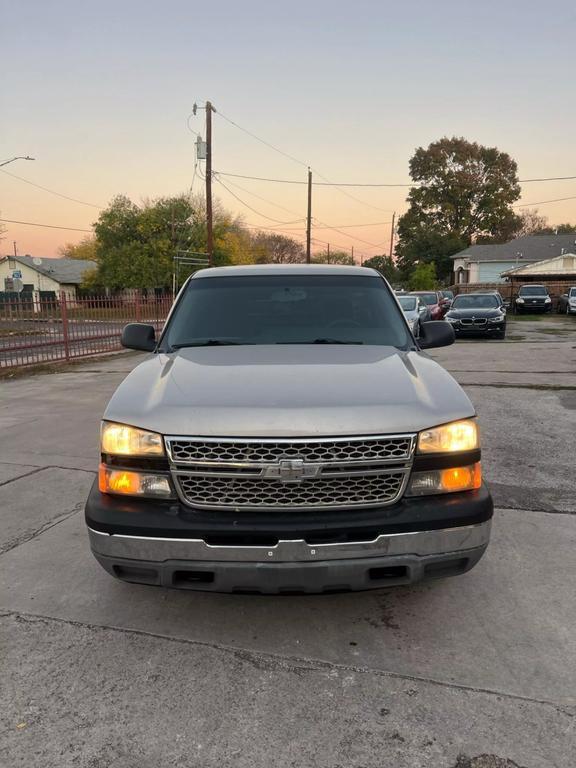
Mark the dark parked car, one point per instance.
(533, 298)
(433, 301)
(477, 314)
(567, 302)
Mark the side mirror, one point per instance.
(139, 336)
(436, 333)
(564, 295)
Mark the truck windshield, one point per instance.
(286, 309)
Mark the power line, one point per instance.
(302, 163)
(259, 197)
(345, 234)
(544, 202)
(366, 184)
(262, 141)
(258, 213)
(49, 226)
(51, 191)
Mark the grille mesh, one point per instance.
(254, 493)
(185, 451)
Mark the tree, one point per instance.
(85, 249)
(385, 265)
(423, 277)
(463, 193)
(136, 245)
(276, 249)
(563, 229)
(530, 222)
(334, 257)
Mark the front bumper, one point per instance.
(483, 330)
(536, 307)
(359, 549)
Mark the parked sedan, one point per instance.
(416, 312)
(477, 314)
(567, 302)
(433, 301)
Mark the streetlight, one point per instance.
(20, 157)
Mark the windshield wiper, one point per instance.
(208, 343)
(321, 341)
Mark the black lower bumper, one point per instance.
(307, 551)
(133, 517)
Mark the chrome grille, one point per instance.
(268, 494)
(478, 321)
(187, 451)
(294, 473)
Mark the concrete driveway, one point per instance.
(473, 672)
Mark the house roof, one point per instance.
(559, 265)
(62, 270)
(528, 248)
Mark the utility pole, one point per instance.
(15, 249)
(309, 217)
(328, 252)
(209, 232)
(392, 234)
(352, 250)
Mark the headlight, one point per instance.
(497, 319)
(124, 482)
(451, 319)
(450, 480)
(547, 300)
(520, 301)
(121, 440)
(450, 438)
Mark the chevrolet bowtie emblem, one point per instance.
(292, 471)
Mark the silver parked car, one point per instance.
(416, 312)
(288, 434)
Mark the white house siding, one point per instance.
(31, 277)
(491, 271)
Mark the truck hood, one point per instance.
(280, 390)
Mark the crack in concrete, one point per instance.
(297, 664)
(24, 538)
(21, 477)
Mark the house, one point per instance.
(40, 277)
(557, 274)
(487, 263)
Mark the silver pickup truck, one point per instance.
(288, 435)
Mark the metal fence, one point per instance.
(45, 330)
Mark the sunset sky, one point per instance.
(99, 93)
